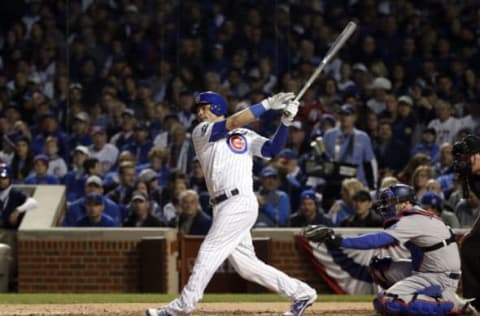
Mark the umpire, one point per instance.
(467, 164)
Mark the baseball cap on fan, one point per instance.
(346, 109)
(381, 83)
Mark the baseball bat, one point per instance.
(334, 48)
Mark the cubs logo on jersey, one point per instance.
(237, 143)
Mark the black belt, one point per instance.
(222, 197)
(441, 244)
(454, 275)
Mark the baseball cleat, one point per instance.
(299, 306)
(157, 312)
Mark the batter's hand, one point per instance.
(278, 101)
(289, 112)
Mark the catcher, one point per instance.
(429, 288)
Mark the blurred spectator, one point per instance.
(433, 202)
(180, 149)
(292, 178)
(77, 209)
(185, 114)
(157, 160)
(390, 152)
(427, 145)
(22, 161)
(140, 214)
(310, 211)
(445, 125)
(125, 135)
(56, 165)
(122, 192)
(14, 203)
(364, 215)
(141, 144)
(445, 161)
(192, 219)
(380, 86)
(74, 179)
(95, 213)
(404, 125)
(40, 169)
(112, 178)
(344, 207)
(406, 173)
(346, 144)
(274, 204)
(150, 178)
(79, 134)
(468, 210)
(420, 178)
(49, 127)
(106, 153)
(297, 139)
(177, 183)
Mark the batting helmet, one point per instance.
(5, 171)
(218, 106)
(393, 195)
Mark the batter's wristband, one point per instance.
(257, 110)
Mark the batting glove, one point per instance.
(278, 101)
(289, 112)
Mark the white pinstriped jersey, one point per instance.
(227, 163)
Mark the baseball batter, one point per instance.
(225, 151)
(430, 288)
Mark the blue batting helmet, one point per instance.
(218, 105)
(393, 195)
(5, 171)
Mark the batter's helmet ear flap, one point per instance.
(218, 105)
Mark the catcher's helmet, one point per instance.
(5, 171)
(218, 106)
(393, 195)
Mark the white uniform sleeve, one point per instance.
(257, 141)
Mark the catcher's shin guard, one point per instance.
(388, 304)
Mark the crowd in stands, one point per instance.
(97, 96)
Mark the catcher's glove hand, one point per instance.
(323, 234)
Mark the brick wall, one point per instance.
(78, 266)
(113, 266)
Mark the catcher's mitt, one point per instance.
(322, 234)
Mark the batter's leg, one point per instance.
(229, 227)
(249, 267)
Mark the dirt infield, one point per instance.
(210, 309)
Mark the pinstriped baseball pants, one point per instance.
(229, 237)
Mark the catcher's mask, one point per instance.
(391, 196)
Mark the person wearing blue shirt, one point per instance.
(79, 135)
(74, 180)
(77, 209)
(427, 145)
(95, 213)
(346, 144)
(310, 212)
(141, 144)
(274, 204)
(40, 176)
(158, 161)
